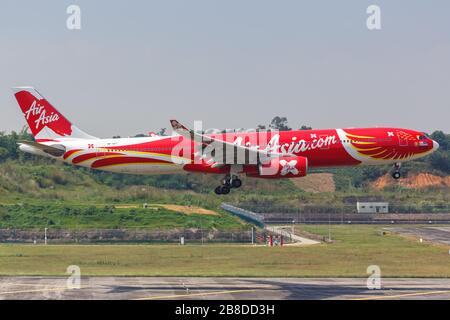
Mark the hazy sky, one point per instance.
(232, 63)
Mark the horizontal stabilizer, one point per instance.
(55, 150)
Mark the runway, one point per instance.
(189, 288)
(432, 234)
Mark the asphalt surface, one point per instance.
(177, 288)
(432, 234)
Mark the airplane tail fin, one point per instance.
(45, 122)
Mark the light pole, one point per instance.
(201, 229)
(253, 237)
(329, 227)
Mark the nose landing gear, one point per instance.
(396, 174)
(228, 183)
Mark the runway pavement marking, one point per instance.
(25, 284)
(196, 294)
(41, 290)
(198, 285)
(35, 290)
(403, 295)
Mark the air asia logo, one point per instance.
(294, 146)
(43, 119)
(288, 167)
(40, 114)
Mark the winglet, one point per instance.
(178, 126)
(182, 130)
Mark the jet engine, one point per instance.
(281, 167)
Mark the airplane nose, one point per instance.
(435, 145)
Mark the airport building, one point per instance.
(372, 207)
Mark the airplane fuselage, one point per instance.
(322, 148)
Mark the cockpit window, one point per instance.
(422, 137)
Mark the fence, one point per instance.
(358, 218)
(129, 235)
(393, 208)
(311, 214)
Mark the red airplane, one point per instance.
(259, 154)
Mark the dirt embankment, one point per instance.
(189, 209)
(173, 207)
(316, 182)
(416, 181)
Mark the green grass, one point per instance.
(354, 249)
(56, 216)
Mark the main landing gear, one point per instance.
(228, 183)
(396, 174)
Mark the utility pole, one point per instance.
(293, 226)
(329, 227)
(253, 237)
(201, 229)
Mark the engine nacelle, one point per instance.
(282, 167)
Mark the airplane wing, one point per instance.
(54, 151)
(261, 156)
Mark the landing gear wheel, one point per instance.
(236, 183)
(226, 181)
(396, 175)
(218, 190)
(224, 189)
